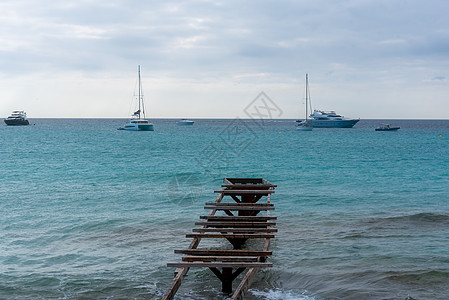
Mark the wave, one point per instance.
(425, 218)
(422, 277)
(278, 294)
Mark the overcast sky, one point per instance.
(210, 59)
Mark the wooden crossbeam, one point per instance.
(223, 252)
(243, 192)
(186, 264)
(231, 236)
(231, 229)
(238, 218)
(248, 186)
(226, 204)
(239, 207)
(235, 224)
(221, 258)
(244, 180)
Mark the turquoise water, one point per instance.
(88, 211)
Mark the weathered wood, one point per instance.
(218, 264)
(246, 192)
(231, 180)
(244, 284)
(223, 252)
(235, 229)
(239, 207)
(226, 204)
(239, 218)
(226, 280)
(235, 224)
(221, 258)
(243, 192)
(260, 186)
(231, 236)
(181, 273)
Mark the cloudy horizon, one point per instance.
(209, 59)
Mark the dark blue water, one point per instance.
(88, 211)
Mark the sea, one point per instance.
(91, 212)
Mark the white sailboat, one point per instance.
(305, 125)
(137, 123)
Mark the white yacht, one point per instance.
(137, 123)
(329, 119)
(17, 117)
(185, 122)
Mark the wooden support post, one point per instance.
(226, 280)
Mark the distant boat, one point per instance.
(17, 118)
(386, 127)
(185, 122)
(137, 123)
(329, 119)
(304, 125)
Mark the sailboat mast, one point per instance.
(139, 90)
(307, 94)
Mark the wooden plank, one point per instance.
(218, 264)
(226, 204)
(260, 186)
(235, 224)
(244, 284)
(231, 236)
(244, 192)
(238, 218)
(238, 207)
(244, 180)
(221, 258)
(235, 229)
(224, 252)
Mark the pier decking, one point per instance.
(238, 222)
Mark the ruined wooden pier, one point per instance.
(235, 217)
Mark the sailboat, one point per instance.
(137, 123)
(305, 125)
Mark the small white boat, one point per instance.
(17, 118)
(386, 127)
(185, 122)
(138, 123)
(305, 125)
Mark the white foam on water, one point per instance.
(278, 294)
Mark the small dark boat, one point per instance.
(386, 127)
(17, 117)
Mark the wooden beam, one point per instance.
(225, 204)
(234, 229)
(231, 236)
(244, 284)
(219, 264)
(224, 252)
(239, 218)
(235, 224)
(238, 207)
(242, 192)
(260, 186)
(221, 258)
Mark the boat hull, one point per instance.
(333, 123)
(185, 122)
(17, 122)
(140, 127)
(388, 129)
(148, 127)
